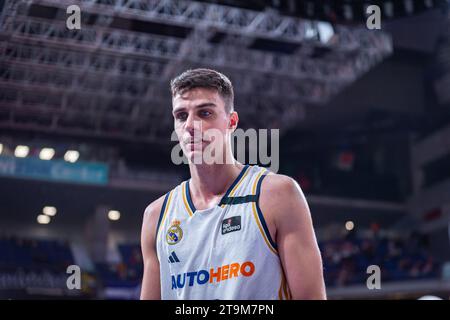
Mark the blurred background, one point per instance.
(85, 126)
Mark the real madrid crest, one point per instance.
(174, 234)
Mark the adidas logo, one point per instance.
(173, 258)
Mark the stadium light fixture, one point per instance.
(43, 219)
(46, 153)
(349, 225)
(71, 156)
(113, 215)
(49, 211)
(21, 151)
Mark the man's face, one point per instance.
(199, 115)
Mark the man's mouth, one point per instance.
(196, 141)
(191, 141)
(195, 144)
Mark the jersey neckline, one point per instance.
(231, 187)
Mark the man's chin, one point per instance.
(195, 156)
(197, 147)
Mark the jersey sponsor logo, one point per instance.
(173, 257)
(231, 224)
(223, 273)
(174, 233)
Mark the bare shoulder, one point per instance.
(154, 208)
(151, 214)
(279, 187)
(281, 194)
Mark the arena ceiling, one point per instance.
(110, 78)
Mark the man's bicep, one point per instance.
(151, 288)
(298, 248)
(151, 285)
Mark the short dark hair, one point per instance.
(204, 78)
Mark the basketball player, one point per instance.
(231, 231)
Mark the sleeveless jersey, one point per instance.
(223, 252)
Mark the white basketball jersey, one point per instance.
(224, 252)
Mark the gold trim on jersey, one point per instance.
(255, 214)
(284, 292)
(186, 204)
(166, 209)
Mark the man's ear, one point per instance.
(234, 120)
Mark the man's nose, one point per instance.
(192, 124)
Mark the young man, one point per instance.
(231, 231)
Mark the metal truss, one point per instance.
(119, 76)
(230, 20)
(336, 68)
(99, 78)
(191, 14)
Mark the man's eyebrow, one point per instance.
(206, 104)
(178, 109)
(201, 105)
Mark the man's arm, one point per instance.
(151, 286)
(287, 212)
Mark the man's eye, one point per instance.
(181, 116)
(205, 113)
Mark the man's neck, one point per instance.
(210, 182)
